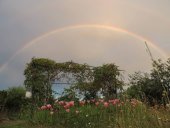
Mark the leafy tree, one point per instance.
(108, 78)
(69, 94)
(40, 73)
(87, 90)
(155, 86)
(161, 74)
(85, 82)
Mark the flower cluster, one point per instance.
(135, 102)
(46, 107)
(64, 105)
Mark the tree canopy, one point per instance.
(42, 73)
(154, 86)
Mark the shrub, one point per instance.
(15, 99)
(3, 97)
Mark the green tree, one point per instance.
(108, 78)
(155, 86)
(39, 74)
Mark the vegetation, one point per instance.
(41, 73)
(13, 99)
(154, 87)
(95, 98)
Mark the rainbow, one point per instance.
(95, 26)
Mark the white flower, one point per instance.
(168, 105)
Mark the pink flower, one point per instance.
(62, 103)
(133, 102)
(111, 101)
(49, 106)
(81, 103)
(67, 105)
(117, 101)
(71, 103)
(101, 100)
(97, 103)
(114, 103)
(67, 110)
(43, 107)
(106, 104)
(92, 100)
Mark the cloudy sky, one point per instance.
(85, 31)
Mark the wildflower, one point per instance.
(106, 104)
(119, 105)
(81, 103)
(49, 106)
(159, 118)
(121, 111)
(51, 113)
(117, 101)
(122, 103)
(164, 93)
(43, 107)
(67, 106)
(71, 103)
(88, 101)
(101, 100)
(61, 103)
(87, 115)
(168, 105)
(92, 100)
(77, 112)
(133, 102)
(111, 101)
(56, 101)
(68, 110)
(97, 103)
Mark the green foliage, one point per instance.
(3, 97)
(122, 115)
(40, 74)
(69, 95)
(153, 87)
(107, 78)
(88, 90)
(15, 99)
(91, 80)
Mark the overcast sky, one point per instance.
(131, 22)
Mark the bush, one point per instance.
(3, 97)
(15, 99)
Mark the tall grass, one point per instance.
(123, 114)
